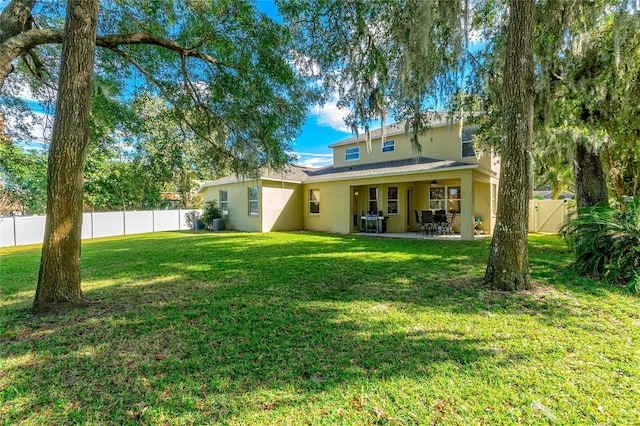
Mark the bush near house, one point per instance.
(211, 211)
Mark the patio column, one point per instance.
(466, 205)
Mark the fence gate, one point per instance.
(547, 215)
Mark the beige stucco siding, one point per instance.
(482, 205)
(281, 206)
(238, 204)
(440, 143)
(334, 208)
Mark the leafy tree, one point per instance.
(401, 57)
(589, 93)
(223, 67)
(382, 57)
(172, 154)
(586, 93)
(24, 178)
(125, 185)
(59, 276)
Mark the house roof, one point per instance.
(290, 173)
(398, 167)
(297, 174)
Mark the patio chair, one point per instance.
(448, 226)
(419, 224)
(440, 218)
(428, 221)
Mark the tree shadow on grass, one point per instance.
(165, 355)
(211, 331)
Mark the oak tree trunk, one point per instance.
(591, 181)
(59, 277)
(508, 265)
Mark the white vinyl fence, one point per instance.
(22, 230)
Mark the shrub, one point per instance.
(606, 242)
(211, 211)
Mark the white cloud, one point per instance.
(306, 159)
(25, 93)
(34, 127)
(304, 64)
(331, 116)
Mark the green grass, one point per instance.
(302, 328)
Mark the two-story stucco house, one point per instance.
(387, 176)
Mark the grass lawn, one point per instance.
(303, 328)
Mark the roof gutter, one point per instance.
(212, 184)
(409, 172)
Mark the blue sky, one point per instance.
(324, 125)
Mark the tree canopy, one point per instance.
(223, 68)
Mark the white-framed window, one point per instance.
(373, 200)
(351, 154)
(468, 149)
(314, 201)
(437, 200)
(224, 204)
(445, 198)
(392, 200)
(453, 199)
(253, 200)
(388, 146)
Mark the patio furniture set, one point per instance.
(435, 223)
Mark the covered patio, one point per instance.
(464, 197)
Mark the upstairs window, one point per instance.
(388, 146)
(352, 154)
(468, 150)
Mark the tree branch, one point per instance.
(116, 40)
(20, 44)
(168, 98)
